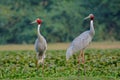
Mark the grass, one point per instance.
(73, 78)
(17, 62)
(100, 65)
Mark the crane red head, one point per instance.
(39, 21)
(91, 16)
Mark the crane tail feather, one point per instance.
(69, 53)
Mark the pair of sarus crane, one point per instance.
(78, 44)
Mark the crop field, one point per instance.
(18, 63)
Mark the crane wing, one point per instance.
(40, 46)
(82, 41)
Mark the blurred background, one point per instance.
(62, 20)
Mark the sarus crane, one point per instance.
(40, 44)
(81, 42)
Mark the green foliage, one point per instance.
(62, 20)
(100, 65)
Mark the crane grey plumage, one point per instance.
(82, 41)
(40, 45)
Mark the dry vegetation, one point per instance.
(61, 46)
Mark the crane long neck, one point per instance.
(39, 35)
(92, 31)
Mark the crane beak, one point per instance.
(33, 22)
(86, 17)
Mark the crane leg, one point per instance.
(37, 64)
(43, 64)
(83, 57)
(43, 68)
(79, 61)
(83, 62)
(79, 57)
(38, 61)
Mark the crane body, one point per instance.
(40, 45)
(81, 42)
